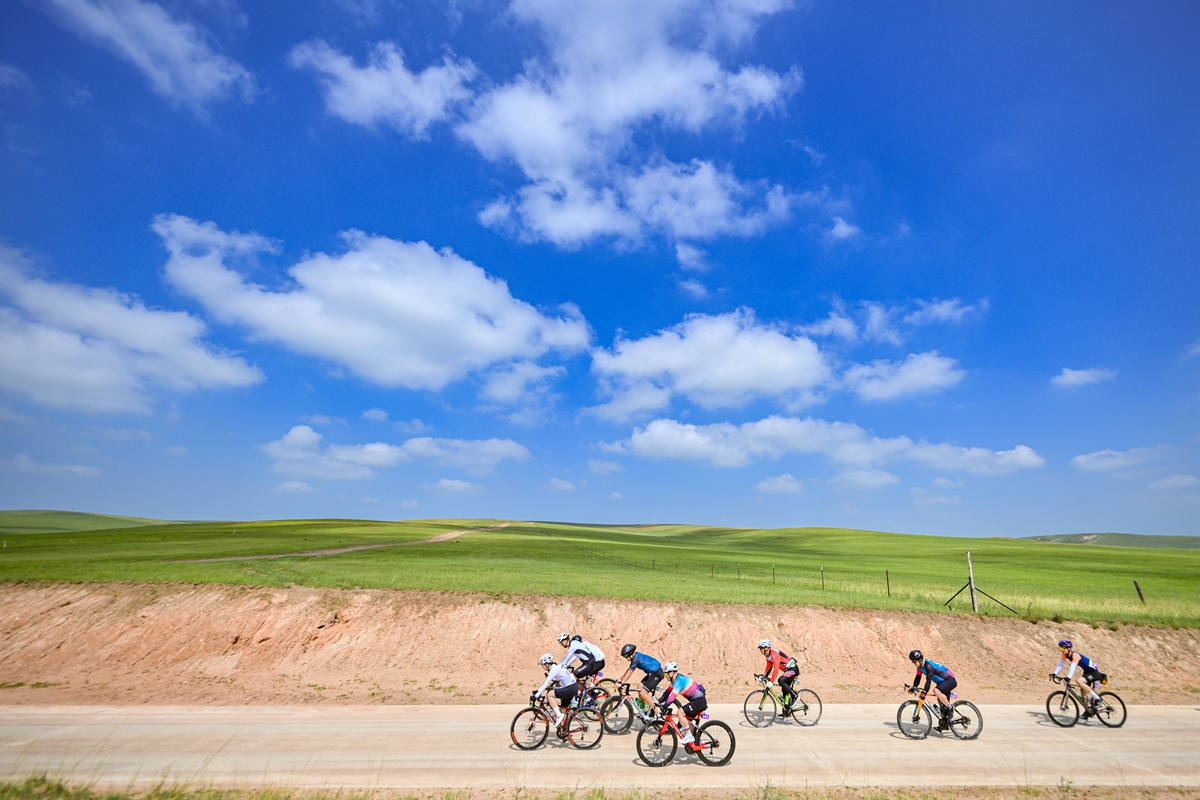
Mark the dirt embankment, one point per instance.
(168, 644)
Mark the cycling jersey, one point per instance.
(682, 687)
(583, 651)
(1085, 663)
(645, 663)
(557, 674)
(778, 662)
(934, 672)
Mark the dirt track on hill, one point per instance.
(185, 644)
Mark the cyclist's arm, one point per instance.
(574, 652)
(1058, 669)
(546, 685)
(1074, 664)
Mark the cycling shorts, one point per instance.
(1093, 676)
(566, 694)
(696, 707)
(947, 686)
(589, 668)
(652, 680)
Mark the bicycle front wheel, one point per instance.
(806, 708)
(617, 715)
(1062, 708)
(655, 748)
(716, 743)
(965, 720)
(584, 729)
(593, 699)
(609, 685)
(759, 708)
(1110, 710)
(529, 728)
(914, 720)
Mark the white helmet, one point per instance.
(670, 666)
(765, 643)
(546, 660)
(564, 637)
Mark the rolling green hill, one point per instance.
(1124, 540)
(824, 566)
(17, 522)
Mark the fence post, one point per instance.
(772, 573)
(712, 570)
(888, 578)
(1141, 596)
(822, 579)
(971, 580)
(652, 564)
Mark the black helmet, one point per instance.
(577, 638)
(628, 650)
(915, 656)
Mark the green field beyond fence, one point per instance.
(822, 566)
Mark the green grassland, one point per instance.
(1125, 540)
(16, 522)
(651, 562)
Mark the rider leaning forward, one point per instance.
(937, 677)
(782, 669)
(1091, 672)
(647, 664)
(589, 656)
(683, 686)
(565, 691)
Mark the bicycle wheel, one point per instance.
(529, 728)
(716, 743)
(806, 708)
(594, 699)
(1110, 710)
(1062, 708)
(965, 720)
(610, 686)
(914, 721)
(657, 749)
(759, 708)
(617, 715)
(584, 729)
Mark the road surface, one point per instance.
(422, 747)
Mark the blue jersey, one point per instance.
(645, 663)
(932, 671)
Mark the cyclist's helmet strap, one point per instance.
(916, 656)
(628, 650)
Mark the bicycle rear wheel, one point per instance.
(1062, 709)
(965, 720)
(617, 715)
(584, 729)
(716, 743)
(914, 720)
(594, 699)
(657, 749)
(529, 728)
(1110, 710)
(759, 708)
(806, 708)
(610, 686)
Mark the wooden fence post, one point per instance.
(1141, 596)
(971, 580)
(772, 573)
(822, 579)
(888, 578)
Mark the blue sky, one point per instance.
(925, 267)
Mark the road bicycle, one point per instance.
(658, 742)
(619, 711)
(1063, 706)
(581, 727)
(916, 721)
(762, 705)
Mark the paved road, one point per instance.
(416, 747)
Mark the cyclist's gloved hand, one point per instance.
(533, 698)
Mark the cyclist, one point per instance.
(782, 669)
(1091, 673)
(648, 665)
(940, 678)
(590, 657)
(565, 691)
(683, 686)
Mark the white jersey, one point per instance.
(557, 674)
(582, 651)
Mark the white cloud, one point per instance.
(385, 91)
(727, 445)
(599, 467)
(559, 485)
(120, 434)
(395, 313)
(174, 55)
(694, 288)
(13, 417)
(23, 463)
(1175, 483)
(616, 496)
(474, 455)
(375, 415)
(522, 382)
(838, 324)
(841, 230)
(780, 484)
(920, 373)
(715, 361)
(923, 498)
(1070, 378)
(878, 324)
(294, 487)
(1108, 460)
(176, 450)
(868, 479)
(409, 504)
(1193, 349)
(323, 419)
(414, 425)
(947, 483)
(98, 350)
(928, 312)
(450, 486)
(14, 78)
(690, 257)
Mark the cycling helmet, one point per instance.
(546, 660)
(915, 656)
(670, 666)
(1065, 644)
(564, 637)
(765, 644)
(577, 638)
(628, 650)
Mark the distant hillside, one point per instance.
(1124, 540)
(16, 522)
